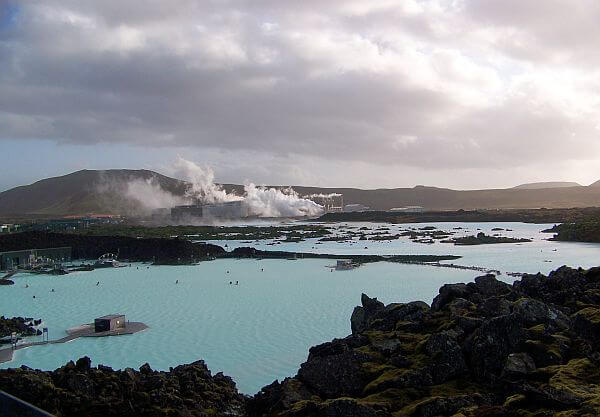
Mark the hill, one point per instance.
(82, 192)
(130, 192)
(541, 185)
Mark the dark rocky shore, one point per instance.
(77, 389)
(159, 250)
(482, 349)
(483, 239)
(485, 348)
(542, 215)
(21, 325)
(248, 252)
(587, 230)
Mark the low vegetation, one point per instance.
(208, 232)
(587, 230)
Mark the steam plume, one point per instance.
(260, 201)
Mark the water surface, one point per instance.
(261, 329)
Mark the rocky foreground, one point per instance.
(485, 348)
(482, 349)
(77, 389)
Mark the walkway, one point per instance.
(131, 327)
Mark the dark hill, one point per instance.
(102, 192)
(81, 192)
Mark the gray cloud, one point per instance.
(409, 85)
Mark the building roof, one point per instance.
(110, 316)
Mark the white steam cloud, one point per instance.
(260, 201)
(151, 195)
(202, 180)
(137, 196)
(271, 202)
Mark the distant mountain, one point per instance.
(596, 184)
(109, 192)
(82, 192)
(542, 185)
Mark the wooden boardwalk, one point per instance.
(131, 327)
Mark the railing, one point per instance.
(11, 406)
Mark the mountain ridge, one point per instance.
(101, 192)
(547, 184)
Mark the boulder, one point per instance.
(449, 292)
(336, 374)
(446, 357)
(534, 312)
(361, 316)
(491, 343)
(518, 364)
(489, 286)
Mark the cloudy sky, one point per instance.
(388, 93)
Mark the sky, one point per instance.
(464, 94)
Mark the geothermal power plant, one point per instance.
(228, 210)
(239, 209)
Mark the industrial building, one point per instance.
(331, 203)
(351, 208)
(408, 209)
(227, 210)
(29, 257)
(109, 322)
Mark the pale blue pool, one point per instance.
(261, 329)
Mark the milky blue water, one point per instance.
(261, 329)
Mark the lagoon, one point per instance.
(261, 329)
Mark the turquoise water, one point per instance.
(540, 255)
(261, 329)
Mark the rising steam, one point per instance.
(260, 201)
(142, 196)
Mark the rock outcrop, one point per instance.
(20, 325)
(159, 250)
(78, 389)
(485, 348)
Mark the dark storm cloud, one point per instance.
(438, 84)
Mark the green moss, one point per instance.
(389, 376)
(579, 377)
(378, 336)
(537, 331)
(374, 370)
(454, 388)
(550, 352)
(393, 398)
(515, 401)
(301, 405)
(447, 325)
(591, 314)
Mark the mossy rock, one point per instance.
(393, 398)
(579, 377)
(398, 378)
(515, 401)
(591, 314)
(372, 370)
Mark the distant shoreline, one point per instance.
(539, 215)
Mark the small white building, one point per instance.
(350, 208)
(408, 209)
